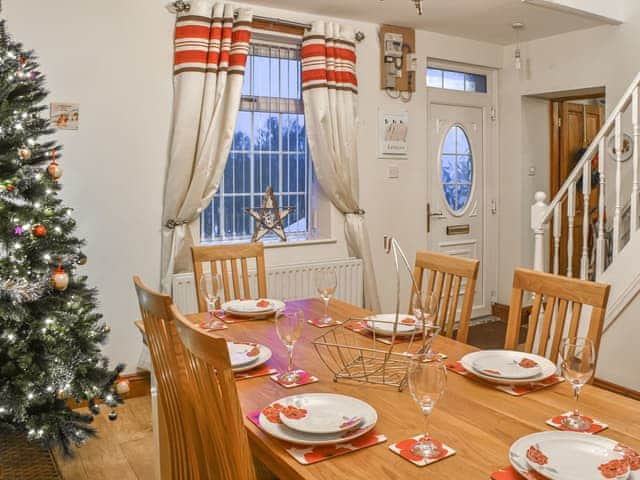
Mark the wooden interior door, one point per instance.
(574, 127)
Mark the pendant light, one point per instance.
(419, 6)
(517, 26)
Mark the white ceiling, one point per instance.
(486, 20)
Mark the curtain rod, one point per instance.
(184, 6)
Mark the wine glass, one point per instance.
(289, 328)
(326, 282)
(427, 380)
(210, 285)
(577, 360)
(425, 308)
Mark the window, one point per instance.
(452, 80)
(269, 148)
(456, 167)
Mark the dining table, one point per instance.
(477, 420)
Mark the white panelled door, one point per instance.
(457, 197)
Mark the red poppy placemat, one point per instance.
(307, 455)
(259, 371)
(316, 322)
(509, 473)
(403, 448)
(596, 425)
(304, 379)
(515, 390)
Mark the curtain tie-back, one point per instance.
(171, 224)
(356, 212)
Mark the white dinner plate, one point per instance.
(547, 367)
(250, 308)
(263, 357)
(568, 456)
(504, 364)
(242, 354)
(270, 423)
(383, 324)
(321, 413)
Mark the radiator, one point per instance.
(286, 282)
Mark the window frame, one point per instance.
(319, 217)
(471, 154)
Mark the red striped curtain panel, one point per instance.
(330, 93)
(211, 50)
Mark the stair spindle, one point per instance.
(636, 143)
(586, 190)
(557, 232)
(571, 213)
(600, 246)
(618, 211)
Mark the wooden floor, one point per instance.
(123, 450)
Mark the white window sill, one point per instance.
(292, 242)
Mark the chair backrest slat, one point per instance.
(179, 441)
(554, 294)
(445, 274)
(231, 261)
(227, 455)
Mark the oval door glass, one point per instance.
(456, 167)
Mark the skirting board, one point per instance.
(615, 388)
(139, 386)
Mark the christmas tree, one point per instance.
(50, 333)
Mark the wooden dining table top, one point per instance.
(475, 419)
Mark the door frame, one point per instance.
(488, 102)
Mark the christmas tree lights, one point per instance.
(50, 333)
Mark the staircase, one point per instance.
(610, 250)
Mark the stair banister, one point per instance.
(606, 129)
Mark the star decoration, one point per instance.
(269, 217)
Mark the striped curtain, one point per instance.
(210, 56)
(330, 93)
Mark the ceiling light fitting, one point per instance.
(419, 5)
(517, 27)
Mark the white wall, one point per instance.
(115, 59)
(600, 57)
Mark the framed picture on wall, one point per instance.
(65, 116)
(393, 131)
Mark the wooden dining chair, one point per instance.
(555, 295)
(178, 434)
(226, 451)
(445, 276)
(231, 261)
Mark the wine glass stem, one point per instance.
(326, 307)
(426, 427)
(576, 396)
(290, 363)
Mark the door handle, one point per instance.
(432, 214)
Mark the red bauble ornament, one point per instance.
(60, 279)
(10, 187)
(24, 153)
(39, 230)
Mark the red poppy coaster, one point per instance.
(209, 326)
(229, 318)
(403, 448)
(304, 378)
(515, 390)
(306, 455)
(509, 473)
(316, 322)
(259, 371)
(557, 422)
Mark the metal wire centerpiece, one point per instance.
(354, 351)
